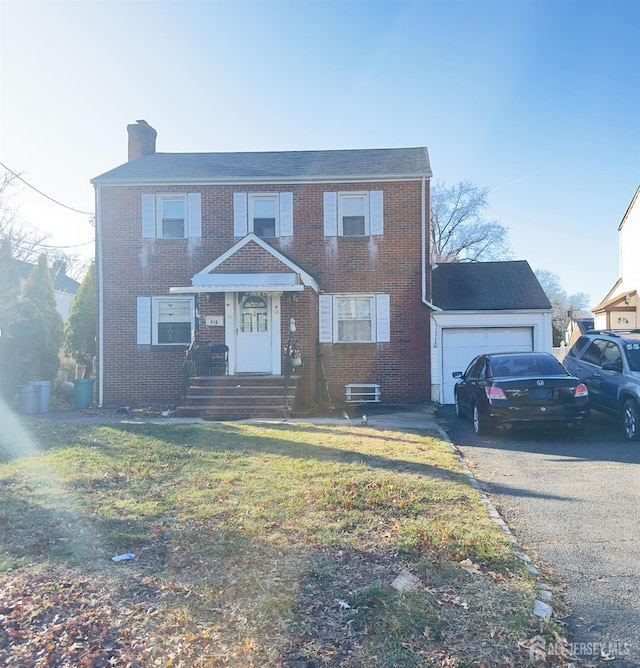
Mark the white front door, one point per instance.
(254, 334)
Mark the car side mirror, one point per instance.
(457, 374)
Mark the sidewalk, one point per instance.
(420, 416)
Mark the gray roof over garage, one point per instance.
(487, 286)
(369, 164)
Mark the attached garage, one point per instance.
(484, 307)
(461, 344)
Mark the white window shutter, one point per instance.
(330, 214)
(376, 212)
(194, 214)
(240, 214)
(383, 319)
(148, 216)
(286, 214)
(144, 321)
(326, 319)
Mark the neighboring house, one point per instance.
(253, 249)
(64, 287)
(484, 307)
(619, 309)
(574, 329)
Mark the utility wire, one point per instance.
(55, 201)
(86, 243)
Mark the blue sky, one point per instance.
(537, 100)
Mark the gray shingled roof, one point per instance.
(371, 164)
(487, 286)
(61, 282)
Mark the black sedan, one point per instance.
(503, 390)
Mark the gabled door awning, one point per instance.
(213, 278)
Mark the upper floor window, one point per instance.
(171, 216)
(264, 216)
(267, 215)
(353, 214)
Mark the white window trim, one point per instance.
(380, 317)
(373, 212)
(160, 198)
(152, 214)
(155, 308)
(364, 195)
(275, 198)
(243, 213)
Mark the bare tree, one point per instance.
(459, 231)
(564, 306)
(26, 241)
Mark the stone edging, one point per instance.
(542, 605)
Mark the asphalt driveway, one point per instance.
(574, 505)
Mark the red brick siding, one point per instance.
(390, 264)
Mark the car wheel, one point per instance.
(480, 422)
(458, 411)
(631, 420)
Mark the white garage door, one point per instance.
(461, 344)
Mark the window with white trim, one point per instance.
(172, 320)
(171, 216)
(353, 213)
(267, 215)
(264, 215)
(355, 318)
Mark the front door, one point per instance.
(254, 335)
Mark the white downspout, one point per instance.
(100, 295)
(425, 264)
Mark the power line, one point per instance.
(55, 201)
(86, 243)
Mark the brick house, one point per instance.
(324, 250)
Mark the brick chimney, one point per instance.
(142, 139)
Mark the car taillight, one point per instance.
(494, 393)
(581, 390)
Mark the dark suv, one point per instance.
(608, 363)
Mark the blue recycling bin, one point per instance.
(83, 392)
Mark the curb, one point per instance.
(542, 604)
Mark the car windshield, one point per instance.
(526, 365)
(632, 350)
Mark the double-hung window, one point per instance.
(172, 321)
(165, 321)
(354, 318)
(267, 215)
(264, 216)
(171, 216)
(353, 213)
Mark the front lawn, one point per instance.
(254, 545)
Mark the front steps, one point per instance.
(239, 397)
